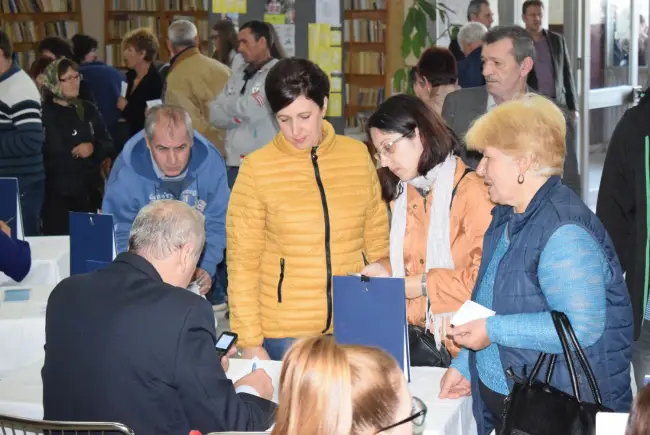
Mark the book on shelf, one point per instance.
(364, 97)
(135, 5)
(117, 28)
(364, 4)
(365, 62)
(65, 29)
(360, 30)
(36, 6)
(20, 31)
(188, 5)
(25, 58)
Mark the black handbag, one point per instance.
(536, 408)
(423, 349)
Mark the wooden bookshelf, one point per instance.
(372, 42)
(28, 22)
(123, 16)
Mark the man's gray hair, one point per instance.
(182, 33)
(162, 227)
(471, 33)
(474, 8)
(174, 115)
(523, 45)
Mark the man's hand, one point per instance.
(252, 352)
(203, 279)
(121, 103)
(375, 270)
(472, 335)
(83, 150)
(260, 381)
(225, 360)
(454, 385)
(5, 228)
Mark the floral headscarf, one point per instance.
(52, 83)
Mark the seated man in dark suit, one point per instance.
(470, 69)
(508, 57)
(130, 344)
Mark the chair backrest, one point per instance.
(10, 425)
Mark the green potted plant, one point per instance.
(416, 37)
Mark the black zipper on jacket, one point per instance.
(281, 279)
(328, 253)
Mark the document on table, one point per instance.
(242, 367)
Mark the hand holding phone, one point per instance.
(225, 342)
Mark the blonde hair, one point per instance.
(531, 125)
(328, 389)
(142, 39)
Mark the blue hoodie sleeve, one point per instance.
(120, 202)
(15, 257)
(217, 198)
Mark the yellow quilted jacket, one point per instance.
(295, 219)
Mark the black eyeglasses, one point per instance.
(418, 416)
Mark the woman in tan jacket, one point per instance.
(440, 211)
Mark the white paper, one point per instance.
(125, 85)
(328, 12)
(20, 232)
(470, 311)
(611, 423)
(287, 35)
(154, 103)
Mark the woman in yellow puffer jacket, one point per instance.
(305, 207)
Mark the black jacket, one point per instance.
(622, 205)
(123, 346)
(64, 130)
(565, 90)
(149, 88)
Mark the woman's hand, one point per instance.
(472, 335)
(454, 385)
(375, 270)
(121, 103)
(83, 150)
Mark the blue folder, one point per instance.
(10, 206)
(372, 312)
(92, 242)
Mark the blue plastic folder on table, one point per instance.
(372, 312)
(92, 242)
(10, 211)
(17, 295)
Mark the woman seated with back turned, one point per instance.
(305, 207)
(328, 389)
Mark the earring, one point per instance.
(520, 179)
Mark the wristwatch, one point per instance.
(423, 285)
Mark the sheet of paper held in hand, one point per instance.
(470, 311)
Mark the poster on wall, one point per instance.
(229, 6)
(282, 14)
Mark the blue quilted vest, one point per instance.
(517, 290)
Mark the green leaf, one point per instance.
(442, 6)
(420, 21)
(409, 24)
(419, 43)
(398, 79)
(429, 9)
(406, 47)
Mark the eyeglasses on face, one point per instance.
(418, 417)
(388, 149)
(70, 79)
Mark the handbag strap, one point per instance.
(586, 367)
(557, 321)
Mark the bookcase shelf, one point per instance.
(123, 16)
(28, 22)
(373, 53)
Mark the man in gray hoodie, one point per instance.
(241, 108)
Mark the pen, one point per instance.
(10, 220)
(254, 367)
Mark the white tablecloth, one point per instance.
(50, 262)
(21, 395)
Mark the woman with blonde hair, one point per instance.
(544, 251)
(328, 389)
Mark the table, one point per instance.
(50, 262)
(21, 395)
(22, 328)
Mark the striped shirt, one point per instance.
(21, 129)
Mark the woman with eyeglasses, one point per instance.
(440, 211)
(329, 389)
(76, 142)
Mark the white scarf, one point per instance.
(440, 179)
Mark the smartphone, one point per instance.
(225, 342)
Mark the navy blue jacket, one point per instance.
(105, 82)
(15, 257)
(123, 346)
(516, 290)
(470, 70)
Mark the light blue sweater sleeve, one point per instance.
(461, 363)
(573, 273)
